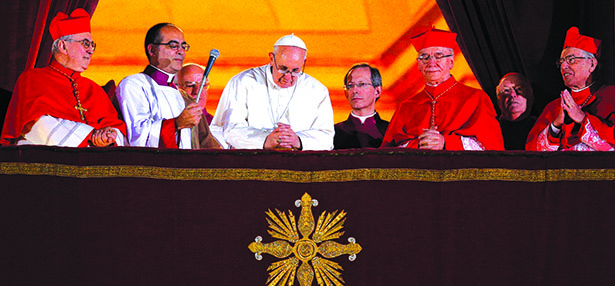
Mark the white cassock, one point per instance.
(144, 105)
(252, 104)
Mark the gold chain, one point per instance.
(586, 100)
(434, 100)
(75, 93)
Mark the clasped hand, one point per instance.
(431, 139)
(103, 137)
(571, 107)
(283, 137)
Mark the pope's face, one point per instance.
(362, 99)
(434, 70)
(575, 74)
(163, 56)
(286, 62)
(78, 55)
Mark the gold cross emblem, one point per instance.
(305, 249)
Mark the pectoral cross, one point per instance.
(75, 93)
(81, 110)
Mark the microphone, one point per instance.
(213, 55)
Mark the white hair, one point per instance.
(588, 54)
(56, 44)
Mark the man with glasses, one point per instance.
(363, 128)
(55, 105)
(153, 108)
(188, 80)
(446, 115)
(277, 106)
(515, 99)
(583, 118)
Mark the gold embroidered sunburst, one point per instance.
(329, 227)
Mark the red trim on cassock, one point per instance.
(168, 139)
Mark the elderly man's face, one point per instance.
(575, 75)
(289, 60)
(362, 99)
(434, 70)
(189, 80)
(79, 55)
(512, 93)
(163, 56)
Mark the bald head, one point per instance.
(515, 96)
(188, 79)
(190, 70)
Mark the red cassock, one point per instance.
(599, 111)
(459, 111)
(45, 91)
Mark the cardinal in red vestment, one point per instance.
(446, 115)
(57, 106)
(583, 118)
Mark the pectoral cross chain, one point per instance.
(78, 107)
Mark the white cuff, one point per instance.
(49, 130)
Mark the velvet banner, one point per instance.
(137, 216)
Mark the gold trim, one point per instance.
(350, 175)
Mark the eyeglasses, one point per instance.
(571, 60)
(193, 84)
(174, 45)
(85, 42)
(284, 70)
(509, 90)
(425, 58)
(359, 85)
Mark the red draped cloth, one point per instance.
(459, 111)
(45, 91)
(599, 111)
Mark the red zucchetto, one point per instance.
(63, 25)
(434, 38)
(576, 40)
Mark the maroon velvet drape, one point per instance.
(502, 36)
(18, 21)
(102, 216)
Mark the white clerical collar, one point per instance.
(582, 89)
(170, 75)
(362, 118)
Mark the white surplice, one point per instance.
(252, 105)
(144, 105)
(49, 130)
